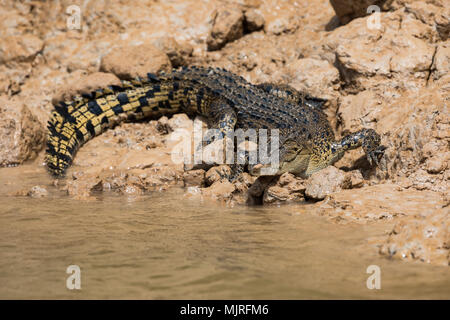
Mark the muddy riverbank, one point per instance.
(391, 75)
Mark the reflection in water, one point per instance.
(165, 246)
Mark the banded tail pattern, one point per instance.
(74, 123)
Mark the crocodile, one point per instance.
(306, 141)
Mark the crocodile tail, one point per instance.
(62, 144)
(73, 124)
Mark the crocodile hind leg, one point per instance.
(221, 122)
(222, 117)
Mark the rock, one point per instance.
(18, 54)
(434, 14)
(294, 185)
(325, 182)
(409, 57)
(178, 54)
(286, 17)
(243, 182)
(180, 121)
(287, 189)
(441, 63)
(357, 62)
(355, 179)
(348, 10)
(420, 180)
(37, 192)
(430, 149)
(276, 190)
(278, 26)
(275, 194)
(130, 62)
(257, 189)
(194, 178)
(438, 163)
(12, 21)
(219, 190)
(415, 55)
(397, 54)
(22, 134)
(82, 83)
(193, 192)
(132, 190)
(419, 29)
(316, 77)
(161, 176)
(227, 27)
(254, 20)
(84, 187)
(22, 48)
(214, 174)
(75, 53)
(286, 179)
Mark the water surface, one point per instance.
(166, 246)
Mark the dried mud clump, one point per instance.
(287, 188)
(131, 62)
(83, 83)
(22, 135)
(33, 192)
(194, 178)
(227, 26)
(326, 181)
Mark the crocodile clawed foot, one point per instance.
(376, 155)
(207, 140)
(223, 175)
(232, 176)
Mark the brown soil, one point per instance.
(394, 79)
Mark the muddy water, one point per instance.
(163, 245)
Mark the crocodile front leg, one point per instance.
(367, 138)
